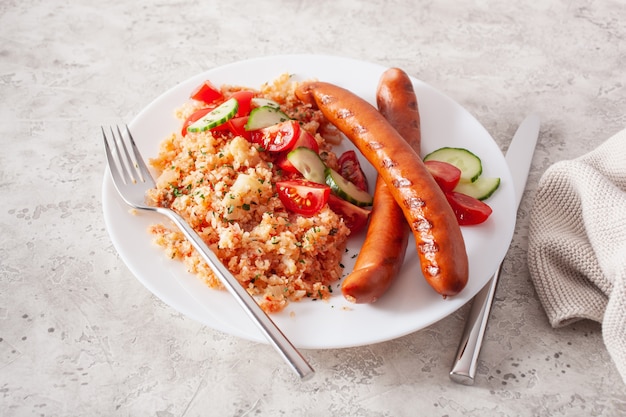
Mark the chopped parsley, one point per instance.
(176, 191)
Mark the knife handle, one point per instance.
(464, 366)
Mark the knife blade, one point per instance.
(518, 157)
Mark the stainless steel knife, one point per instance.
(518, 158)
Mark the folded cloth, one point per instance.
(577, 243)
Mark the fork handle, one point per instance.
(269, 329)
(464, 366)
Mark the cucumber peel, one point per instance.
(469, 164)
(216, 117)
(481, 189)
(471, 182)
(347, 190)
(309, 163)
(265, 116)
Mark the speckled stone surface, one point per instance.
(80, 336)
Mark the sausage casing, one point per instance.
(382, 254)
(438, 238)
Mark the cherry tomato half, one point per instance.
(284, 164)
(237, 126)
(198, 114)
(445, 174)
(302, 196)
(243, 98)
(305, 140)
(207, 92)
(468, 210)
(277, 138)
(350, 169)
(354, 217)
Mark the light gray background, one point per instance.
(79, 335)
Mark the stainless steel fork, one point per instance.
(132, 179)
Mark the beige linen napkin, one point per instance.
(577, 243)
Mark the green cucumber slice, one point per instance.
(261, 102)
(480, 189)
(309, 163)
(469, 164)
(218, 116)
(265, 116)
(346, 190)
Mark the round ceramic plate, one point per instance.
(408, 306)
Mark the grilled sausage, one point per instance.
(382, 254)
(439, 242)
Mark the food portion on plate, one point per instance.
(409, 304)
(424, 200)
(384, 248)
(251, 173)
(255, 173)
(438, 238)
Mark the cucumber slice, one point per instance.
(480, 189)
(467, 162)
(218, 116)
(309, 163)
(346, 190)
(260, 102)
(265, 116)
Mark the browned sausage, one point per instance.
(439, 242)
(382, 254)
(397, 101)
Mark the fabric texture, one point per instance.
(577, 243)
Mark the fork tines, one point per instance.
(132, 168)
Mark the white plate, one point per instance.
(409, 305)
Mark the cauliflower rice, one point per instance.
(224, 187)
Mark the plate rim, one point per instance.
(220, 325)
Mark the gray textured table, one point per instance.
(79, 335)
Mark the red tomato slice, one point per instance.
(350, 169)
(354, 217)
(198, 114)
(243, 98)
(284, 164)
(207, 92)
(305, 140)
(277, 138)
(237, 126)
(302, 196)
(468, 210)
(445, 174)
